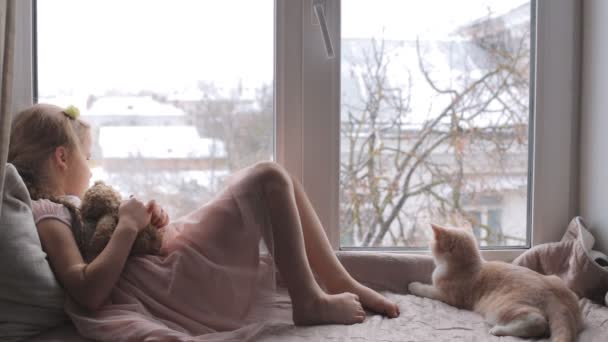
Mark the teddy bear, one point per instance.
(99, 213)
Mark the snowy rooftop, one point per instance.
(161, 142)
(132, 105)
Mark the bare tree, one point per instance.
(390, 158)
(244, 125)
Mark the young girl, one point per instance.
(207, 276)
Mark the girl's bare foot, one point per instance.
(376, 302)
(343, 308)
(370, 299)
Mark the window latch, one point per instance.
(318, 7)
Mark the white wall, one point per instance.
(593, 195)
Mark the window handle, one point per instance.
(318, 7)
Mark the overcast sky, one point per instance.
(92, 46)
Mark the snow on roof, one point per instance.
(512, 15)
(132, 105)
(160, 142)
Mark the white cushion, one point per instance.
(31, 299)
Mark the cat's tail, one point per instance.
(564, 322)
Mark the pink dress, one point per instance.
(210, 284)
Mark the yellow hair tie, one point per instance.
(72, 112)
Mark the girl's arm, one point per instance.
(88, 284)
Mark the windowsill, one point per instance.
(506, 255)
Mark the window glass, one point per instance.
(434, 120)
(180, 93)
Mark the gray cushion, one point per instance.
(31, 299)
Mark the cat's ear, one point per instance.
(437, 230)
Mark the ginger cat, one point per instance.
(515, 300)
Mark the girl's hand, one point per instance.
(134, 213)
(159, 215)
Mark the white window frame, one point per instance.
(23, 75)
(307, 109)
(314, 112)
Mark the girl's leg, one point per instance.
(311, 305)
(325, 263)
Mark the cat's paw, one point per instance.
(415, 288)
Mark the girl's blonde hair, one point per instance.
(35, 134)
